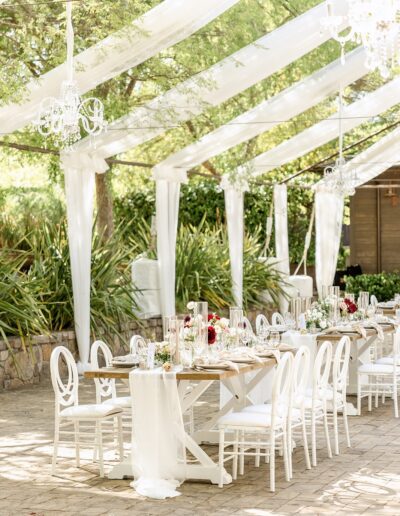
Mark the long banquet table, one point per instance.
(238, 383)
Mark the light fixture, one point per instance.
(372, 23)
(65, 116)
(336, 180)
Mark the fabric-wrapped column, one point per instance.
(79, 173)
(281, 236)
(168, 186)
(328, 230)
(234, 203)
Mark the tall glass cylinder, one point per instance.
(295, 309)
(172, 334)
(200, 316)
(236, 323)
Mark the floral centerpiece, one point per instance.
(216, 326)
(162, 353)
(317, 317)
(348, 307)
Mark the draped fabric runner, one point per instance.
(158, 436)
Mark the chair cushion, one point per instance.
(122, 402)
(267, 408)
(377, 369)
(307, 400)
(248, 420)
(97, 411)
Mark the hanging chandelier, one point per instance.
(65, 116)
(335, 178)
(372, 23)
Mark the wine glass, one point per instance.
(274, 339)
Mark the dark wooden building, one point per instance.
(375, 224)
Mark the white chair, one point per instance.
(136, 342)
(263, 430)
(382, 376)
(336, 396)
(69, 414)
(315, 402)
(277, 319)
(297, 418)
(248, 327)
(261, 323)
(373, 300)
(105, 387)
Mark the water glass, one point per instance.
(236, 323)
(274, 339)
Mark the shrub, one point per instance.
(384, 285)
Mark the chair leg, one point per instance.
(305, 445)
(289, 448)
(77, 444)
(272, 463)
(335, 428)
(55, 446)
(395, 399)
(328, 441)
(285, 455)
(258, 451)
(241, 461)
(359, 396)
(99, 439)
(313, 441)
(235, 455)
(221, 457)
(369, 401)
(346, 424)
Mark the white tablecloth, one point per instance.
(158, 436)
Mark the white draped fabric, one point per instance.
(328, 228)
(158, 436)
(79, 173)
(168, 185)
(273, 111)
(323, 132)
(234, 205)
(168, 23)
(213, 86)
(281, 235)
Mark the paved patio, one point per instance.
(362, 480)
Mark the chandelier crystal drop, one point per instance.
(335, 178)
(65, 116)
(373, 23)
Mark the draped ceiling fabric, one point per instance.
(234, 205)
(328, 231)
(281, 235)
(79, 172)
(168, 185)
(163, 26)
(321, 133)
(273, 111)
(213, 86)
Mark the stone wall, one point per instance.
(28, 362)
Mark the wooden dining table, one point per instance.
(192, 384)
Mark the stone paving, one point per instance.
(362, 480)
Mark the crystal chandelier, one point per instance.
(336, 180)
(372, 23)
(63, 117)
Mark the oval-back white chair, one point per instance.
(248, 327)
(136, 342)
(373, 300)
(68, 411)
(277, 319)
(261, 323)
(340, 368)
(321, 372)
(105, 387)
(301, 369)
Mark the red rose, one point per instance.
(352, 308)
(212, 335)
(212, 317)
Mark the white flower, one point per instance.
(190, 305)
(322, 324)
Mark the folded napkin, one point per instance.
(343, 329)
(240, 354)
(378, 329)
(202, 363)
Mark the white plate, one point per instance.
(211, 367)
